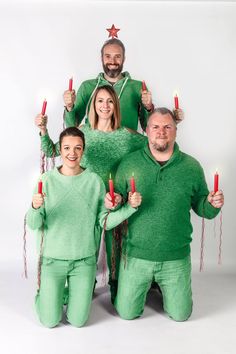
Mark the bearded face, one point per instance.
(112, 60)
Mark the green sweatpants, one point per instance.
(173, 277)
(80, 275)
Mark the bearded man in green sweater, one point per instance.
(157, 245)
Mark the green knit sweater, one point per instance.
(103, 150)
(72, 211)
(129, 93)
(161, 229)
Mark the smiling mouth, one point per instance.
(72, 158)
(112, 66)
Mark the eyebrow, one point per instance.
(70, 145)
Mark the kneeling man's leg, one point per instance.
(135, 278)
(175, 282)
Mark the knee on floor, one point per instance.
(127, 313)
(180, 316)
(77, 322)
(49, 323)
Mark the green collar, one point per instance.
(174, 156)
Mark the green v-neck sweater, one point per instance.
(161, 229)
(72, 211)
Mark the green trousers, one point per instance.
(80, 275)
(173, 277)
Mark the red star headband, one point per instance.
(113, 31)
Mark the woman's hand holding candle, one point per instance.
(41, 123)
(38, 200)
(109, 203)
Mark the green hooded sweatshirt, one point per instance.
(128, 92)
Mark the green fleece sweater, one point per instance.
(129, 93)
(161, 229)
(103, 150)
(72, 211)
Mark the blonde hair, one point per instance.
(93, 116)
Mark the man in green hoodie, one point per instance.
(135, 102)
(157, 245)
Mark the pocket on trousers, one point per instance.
(47, 261)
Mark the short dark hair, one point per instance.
(163, 110)
(72, 131)
(113, 41)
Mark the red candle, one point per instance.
(44, 107)
(216, 182)
(176, 98)
(40, 187)
(144, 87)
(111, 190)
(132, 184)
(71, 84)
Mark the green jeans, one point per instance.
(80, 275)
(173, 277)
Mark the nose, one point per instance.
(105, 104)
(161, 131)
(72, 152)
(112, 60)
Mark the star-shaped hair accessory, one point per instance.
(113, 31)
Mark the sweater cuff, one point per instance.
(209, 211)
(44, 137)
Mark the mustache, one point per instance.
(117, 65)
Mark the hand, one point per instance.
(179, 115)
(108, 201)
(38, 200)
(134, 199)
(41, 123)
(69, 99)
(147, 100)
(216, 199)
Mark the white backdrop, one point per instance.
(188, 46)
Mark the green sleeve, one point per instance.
(143, 116)
(121, 185)
(115, 217)
(49, 147)
(143, 113)
(200, 204)
(76, 115)
(35, 218)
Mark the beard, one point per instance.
(112, 73)
(160, 148)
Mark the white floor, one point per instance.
(210, 330)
